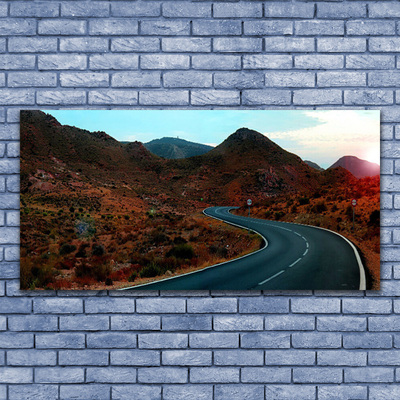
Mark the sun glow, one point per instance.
(373, 155)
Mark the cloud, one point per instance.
(336, 134)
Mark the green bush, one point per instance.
(66, 249)
(183, 251)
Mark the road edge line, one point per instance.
(210, 266)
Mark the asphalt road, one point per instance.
(295, 257)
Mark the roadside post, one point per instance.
(249, 204)
(353, 203)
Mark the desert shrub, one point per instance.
(268, 214)
(132, 276)
(349, 212)
(150, 270)
(293, 210)
(72, 209)
(375, 218)
(334, 208)
(66, 249)
(278, 215)
(98, 250)
(108, 281)
(319, 207)
(183, 251)
(159, 237)
(80, 209)
(82, 250)
(303, 201)
(126, 217)
(218, 251)
(179, 240)
(99, 272)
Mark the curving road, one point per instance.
(296, 257)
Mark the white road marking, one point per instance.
(298, 234)
(291, 265)
(272, 277)
(305, 252)
(307, 245)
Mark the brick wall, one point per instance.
(199, 345)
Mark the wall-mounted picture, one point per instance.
(200, 200)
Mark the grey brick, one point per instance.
(289, 45)
(163, 375)
(16, 340)
(164, 61)
(368, 97)
(317, 375)
(238, 357)
(10, 270)
(135, 322)
(384, 78)
(370, 61)
(85, 9)
(214, 340)
(214, 375)
(386, 236)
(342, 78)
(179, 392)
(217, 27)
(32, 45)
(369, 374)
(325, 306)
(32, 323)
(180, 9)
(111, 340)
(341, 323)
(84, 323)
(289, 323)
(341, 45)
(15, 306)
(384, 357)
(373, 28)
(83, 357)
(384, 10)
(186, 323)
(138, 9)
(193, 45)
(269, 96)
(290, 392)
(392, 150)
(34, 79)
(260, 340)
(186, 357)
(84, 44)
(237, 45)
(152, 97)
(241, 323)
(61, 27)
(234, 392)
(84, 79)
(387, 44)
(109, 306)
(61, 61)
(136, 392)
(135, 44)
(342, 358)
(289, 79)
(346, 10)
(136, 79)
(163, 340)
(367, 341)
(57, 306)
(60, 375)
(3, 13)
(342, 392)
(135, 357)
(98, 392)
(319, 61)
(37, 9)
(263, 305)
(31, 357)
(288, 10)
(367, 306)
(113, 61)
(317, 97)
(386, 323)
(215, 62)
(62, 97)
(165, 28)
(319, 340)
(290, 357)
(262, 375)
(109, 96)
(16, 375)
(9, 132)
(212, 305)
(110, 375)
(189, 79)
(215, 97)
(232, 10)
(111, 26)
(17, 61)
(268, 28)
(37, 392)
(318, 27)
(19, 26)
(267, 61)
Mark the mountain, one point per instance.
(174, 148)
(313, 165)
(359, 168)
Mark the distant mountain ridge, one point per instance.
(175, 148)
(313, 165)
(358, 167)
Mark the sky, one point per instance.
(320, 136)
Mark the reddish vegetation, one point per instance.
(97, 213)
